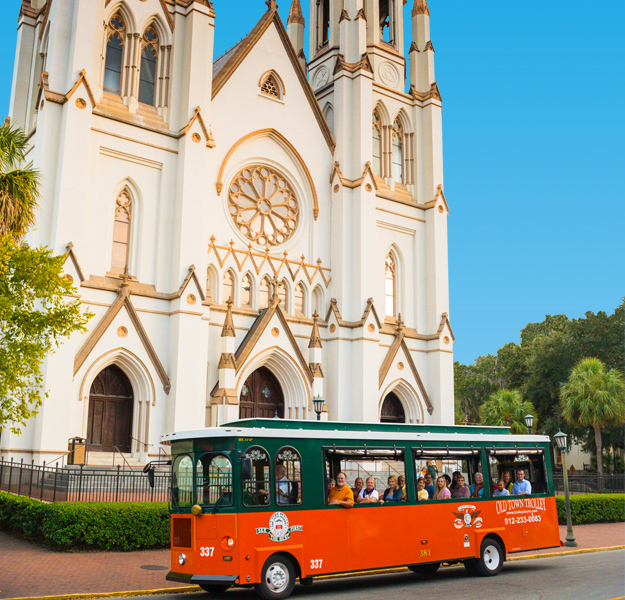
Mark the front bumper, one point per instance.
(201, 579)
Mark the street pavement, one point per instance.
(28, 571)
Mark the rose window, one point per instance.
(263, 205)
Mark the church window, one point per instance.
(300, 300)
(114, 55)
(270, 87)
(264, 294)
(147, 76)
(398, 152)
(228, 287)
(318, 301)
(377, 145)
(246, 292)
(283, 291)
(390, 287)
(323, 29)
(263, 206)
(121, 232)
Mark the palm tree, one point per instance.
(506, 408)
(19, 183)
(593, 397)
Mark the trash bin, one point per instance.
(77, 447)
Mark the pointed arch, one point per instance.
(402, 131)
(271, 85)
(248, 291)
(212, 283)
(300, 300)
(121, 7)
(129, 187)
(410, 400)
(391, 277)
(318, 301)
(229, 287)
(284, 293)
(328, 113)
(154, 63)
(115, 46)
(264, 293)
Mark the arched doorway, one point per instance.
(110, 411)
(261, 396)
(392, 410)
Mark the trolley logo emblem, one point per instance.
(467, 517)
(279, 530)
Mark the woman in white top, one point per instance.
(368, 493)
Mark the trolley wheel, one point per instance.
(428, 569)
(277, 578)
(470, 566)
(214, 588)
(491, 558)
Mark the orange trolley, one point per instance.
(250, 504)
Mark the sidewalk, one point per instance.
(28, 571)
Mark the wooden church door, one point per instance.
(392, 410)
(261, 396)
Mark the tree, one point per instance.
(506, 408)
(593, 397)
(19, 185)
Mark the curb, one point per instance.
(196, 588)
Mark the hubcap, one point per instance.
(491, 558)
(277, 577)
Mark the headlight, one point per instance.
(182, 558)
(227, 542)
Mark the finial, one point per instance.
(228, 328)
(315, 339)
(400, 323)
(274, 283)
(271, 5)
(295, 14)
(420, 7)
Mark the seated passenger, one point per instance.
(477, 488)
(368, 493)
(501, 489)
(429, 487)
(454, 481)
(521, 487)
(461, 490)
(341, 493)
(441, 491)
(358, 485)
(331, 484)
(507, 481)
(283, 486)
(393, 492)
(401, 482)
(422, 493)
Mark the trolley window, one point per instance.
(182, 481)
(256, 491)
(512, 460)
(213, 480)
(288, 474)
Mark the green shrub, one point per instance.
(593, 508)
(93, 525)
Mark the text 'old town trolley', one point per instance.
(250, 501)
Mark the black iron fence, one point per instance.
(83, 484)
(590, 483)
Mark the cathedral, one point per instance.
(250, 231)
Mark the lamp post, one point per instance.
(318, 402)
(561, 439)
(529, 421)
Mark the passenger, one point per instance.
(429, 487)
(477, 488)
(442, 492)
(331, 484)
(283, 486)
(358, 485)
(521, 487)
(393, 492)
(401, 481)
(341, 493)
(447, 479)
(368, 493)
(422, 493)
(501, 489)
(432, 470)
(461, 490)
(454, 481)
(507, 481)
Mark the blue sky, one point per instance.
(533, 154)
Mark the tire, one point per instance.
(491, 558)
(470, 566)
(428, 569)
(277, 578)
(214, 588)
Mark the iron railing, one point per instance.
(83, 484)
(590, 483)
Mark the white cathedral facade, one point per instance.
(250, 231)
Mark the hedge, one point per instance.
(593, 508)
(87, 525)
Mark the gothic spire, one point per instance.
(420, 7)
(228, 328)
(315, 339)
(295, 14)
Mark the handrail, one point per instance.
(61, 456)
(144, 444)
(122, 455)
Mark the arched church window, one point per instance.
(121, 232)
(246, 292)
(228, 287)
(283, 295)
(263, 294)
(392, 410)
(271, 85)
(147, 75)
(300, 300)
(318, 301)
(398, 152)
(115, 34)
(390, 287)
(377, 145)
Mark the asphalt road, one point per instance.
(593, 576)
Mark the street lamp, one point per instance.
(529, 421)
(561, 440)
(318, 402)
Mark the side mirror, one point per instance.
(246, 468)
